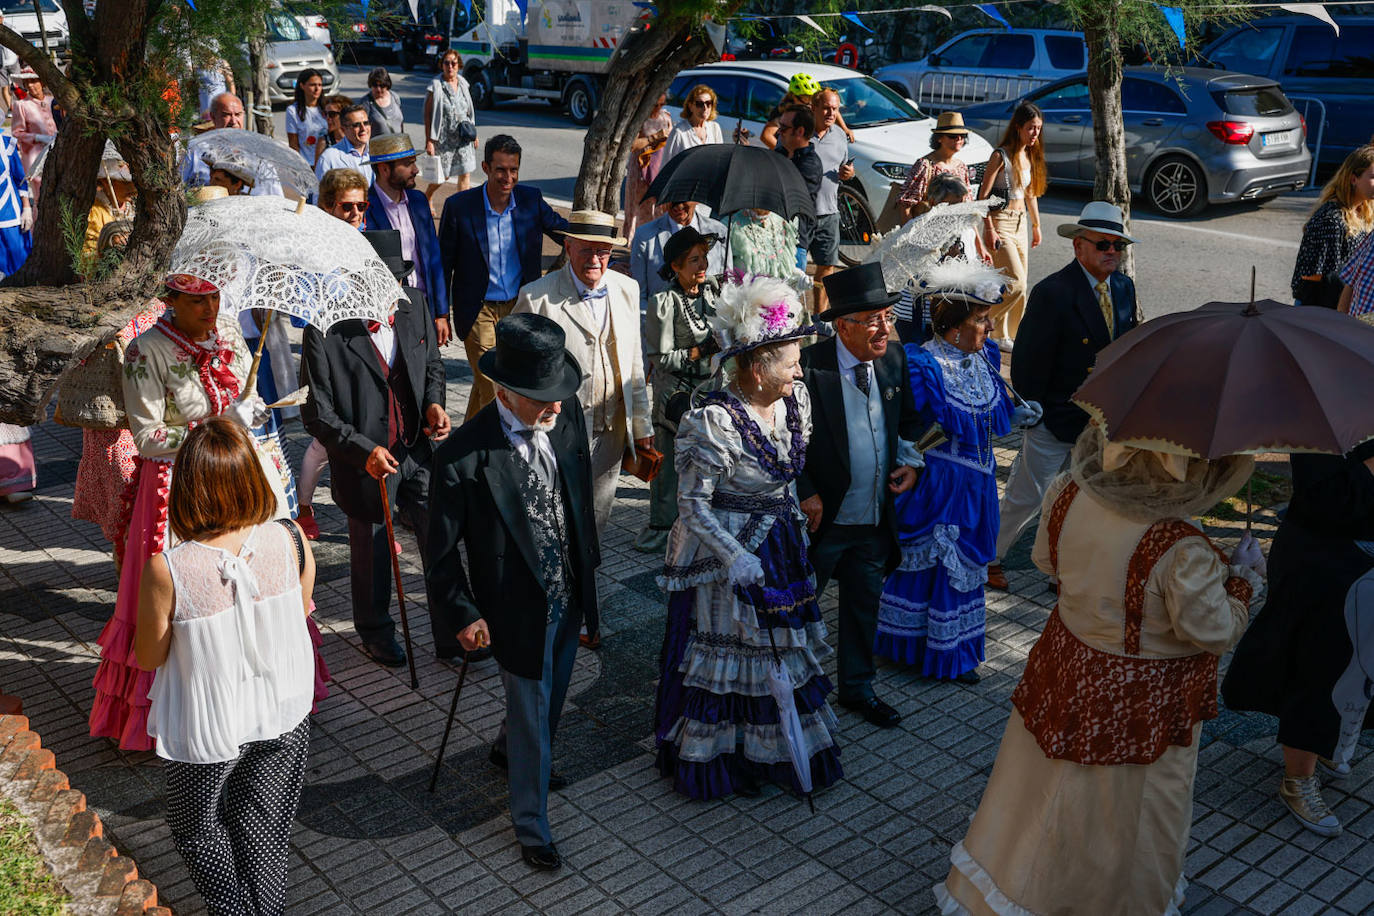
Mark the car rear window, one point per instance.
(1066, 52)
(1263, 102)
(1319, 52)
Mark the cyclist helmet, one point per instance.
(803, 84)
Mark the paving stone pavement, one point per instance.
(369, 838)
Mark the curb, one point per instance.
(70, 836)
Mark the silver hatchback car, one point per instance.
(1193, 136)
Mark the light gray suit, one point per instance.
(646, 252)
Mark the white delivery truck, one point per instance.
(559, 52)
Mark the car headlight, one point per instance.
(893, 171)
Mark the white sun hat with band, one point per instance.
(1097, 216)
(593, 226)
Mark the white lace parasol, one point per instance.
(259, 155)
(265, 253)
(910, 252)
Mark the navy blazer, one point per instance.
(428, 262)
(1057, 343)
(467, 257)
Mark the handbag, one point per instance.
(645, 464)
(1004, 178)
(92, 394)
(467, 131)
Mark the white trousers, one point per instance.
(1040, 460)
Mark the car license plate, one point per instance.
(395, 46)
(432, 49)
(1277, 138)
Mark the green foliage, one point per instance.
(27, 887)
(1139, 25)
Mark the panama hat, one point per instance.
(1097, 216)
(593, 226)
(950, 122)
(389, 148)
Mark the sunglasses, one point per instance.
(357, 125)
(703, 103)
(349, 206)
(1109, 245)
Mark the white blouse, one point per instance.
(240, 667)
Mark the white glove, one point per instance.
(248, 412)
(44, 138)
(746, 570)
(1248, 553)
(1027, 414)
(26, 220)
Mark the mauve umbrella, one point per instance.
(1232, 378)
(728, 176)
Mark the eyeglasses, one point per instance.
(450, 63)
(331, 113)
(882, 319)
(349, 206)
(601, 254)
(1109, 245)
(703, 103)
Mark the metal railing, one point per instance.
(1305, 104)
(945, 90)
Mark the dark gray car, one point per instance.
(1193, 136)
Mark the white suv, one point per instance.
(20, 17)
(890, 133)
(987, 65)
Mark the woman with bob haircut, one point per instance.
(697, 126)
(222, 619)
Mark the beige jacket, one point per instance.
(555, 296)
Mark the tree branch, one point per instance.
(47, 71)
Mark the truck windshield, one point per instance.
(866, 102)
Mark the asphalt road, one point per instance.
(1179, 264)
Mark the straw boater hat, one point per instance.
(591, 226)
(1098, 216)
(950, 122)
(389, 148)
(208, 193)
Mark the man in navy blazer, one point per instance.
(1070, 316)
(393, 203)
(495, 231)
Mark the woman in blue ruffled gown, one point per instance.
(742, 594)
(932, 611)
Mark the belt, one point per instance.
(498, 303)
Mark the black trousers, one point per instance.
(856, 557)
(370, 558)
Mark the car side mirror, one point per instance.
(934, 59)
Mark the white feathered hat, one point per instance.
(755, 311)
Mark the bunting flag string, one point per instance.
(1315, 10)
(854, 18)
(990, 11)
(811, 22)
(1174, 17)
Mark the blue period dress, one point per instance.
(715, 718)
(932, 612)
(15, 243)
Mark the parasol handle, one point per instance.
(996, 372)
(1250, 310)
(251, 388)
(1249, 503)
(300, 206)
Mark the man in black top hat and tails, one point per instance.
(862, 454)
(514, 486)
(376, 404)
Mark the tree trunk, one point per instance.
(68, 190)
(260, 101)
(1110, 183)
(643, 66)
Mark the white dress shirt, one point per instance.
(384, 339)
(600, 306)
(525, 445)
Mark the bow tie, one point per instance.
(374, 326)
(598, 293)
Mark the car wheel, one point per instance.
(479, 86)
(1176, 187)
(858, 225)
(581, 102)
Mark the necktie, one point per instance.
(598, 293)
(1104, 302)
(861, 377)
(540, 459)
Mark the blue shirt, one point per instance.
(503, 265)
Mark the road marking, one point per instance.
(1282, 243)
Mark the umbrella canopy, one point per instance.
(1231, 378)
(267, 253)
(727, 177)
(257, 154)
(782, 688)
(909, 253)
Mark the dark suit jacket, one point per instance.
(827, 454)
(427, 260)
(1058, 341)
(467, 256)
(347, 406)
(475, 499)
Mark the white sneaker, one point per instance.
(1332, 769)
(1304, 798)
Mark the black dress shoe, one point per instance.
(544, 858)
(746, 786)
(499, 760)
(874, 710)
(386, 652)
(970, 676)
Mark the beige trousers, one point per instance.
(480, 339)
(1012, 260)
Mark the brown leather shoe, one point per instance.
(997, 577)
(589, 642)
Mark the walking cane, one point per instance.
(452, 710)
(396, 573)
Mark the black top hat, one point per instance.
(856, 289)
(529, 358)
(387, 244)
(681, 242)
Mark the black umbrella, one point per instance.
(728, 177)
